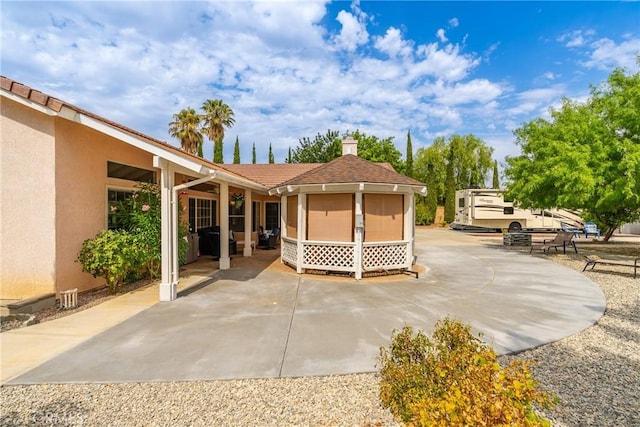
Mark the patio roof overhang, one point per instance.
(351, 187)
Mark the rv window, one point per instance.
(508, 210)
(461, 202)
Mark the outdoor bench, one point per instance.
(592, 260)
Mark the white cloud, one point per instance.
(453, 22)
(441, 35)
(393, 44)
(354, 32)
(448, 63)
(573, 39)
(475, 91)
(606, 54)
(550, 75)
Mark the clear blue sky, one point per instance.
(292, 69)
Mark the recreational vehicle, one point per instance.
(486, 210)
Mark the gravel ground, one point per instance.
(595, 373)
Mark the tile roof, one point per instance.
(352, 169)
(56, 105)
(272, 174)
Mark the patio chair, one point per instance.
(562, 239)
(269, 239)
(591, 228)
(566, 227)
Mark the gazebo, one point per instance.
(348, 215)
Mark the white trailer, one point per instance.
(486, 210)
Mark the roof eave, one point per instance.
(348, 186)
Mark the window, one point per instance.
(461, 202)
(202, 213)
(236, 216)
(113, 198)
(508, 210)
(130, 173)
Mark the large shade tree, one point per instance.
(215, 118)
(186, 127)
(586, 156)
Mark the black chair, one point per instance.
(268, 241)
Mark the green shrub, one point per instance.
(112, 254)
(423, 216)
(454, 379)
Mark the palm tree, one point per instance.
(217, 116)
(186, 127)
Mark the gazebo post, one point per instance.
(409, 226)
(302, 229)
(358, 236)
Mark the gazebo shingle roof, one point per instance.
(272, 174)
(352, 169)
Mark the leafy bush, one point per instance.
(454, 379)
(423, 215)
(140, 215)
(111, 254)
(134, 250)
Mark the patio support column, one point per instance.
(358, 237)
(248, 221)
(169, 281)
(225, 261)
(302, 230)
(283, 225)
(409, 226)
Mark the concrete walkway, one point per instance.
(249, 323)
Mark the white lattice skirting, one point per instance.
(384, 256)
(338, 256)
(289, 251)
(328, 256)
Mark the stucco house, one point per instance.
(62, 166)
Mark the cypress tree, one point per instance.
(289, 158)
(450, 190)
(253, 154)
(496, 179)
(409, 157)
(271, 159)
(236, 152)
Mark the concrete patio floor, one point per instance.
(254, 322)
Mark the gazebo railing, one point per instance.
(289, 251)
(340, 256)
(334, 256)
(385, 255)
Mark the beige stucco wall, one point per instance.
(81, 198)
(27, 199)
(383, 217)
(330, 217)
